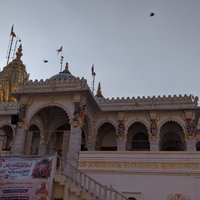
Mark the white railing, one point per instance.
(99, 191)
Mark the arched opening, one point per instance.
(59, 140)
(54, 125)
(7, 138)
(35, 139)
(140, 142)
(106, 138)
(198, 146)
(137, 138)
(172, 137)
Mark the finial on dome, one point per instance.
(66, 70)
(99, 92)
(19, 52)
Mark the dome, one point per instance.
(64, 74)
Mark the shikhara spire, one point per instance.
(99, 92)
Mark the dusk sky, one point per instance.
(133, 54)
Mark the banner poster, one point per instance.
(29, 178)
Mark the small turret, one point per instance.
(99, 93)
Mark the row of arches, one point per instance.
(51, 124)
(171, 137)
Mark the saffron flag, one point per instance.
(12, 33)
(59, 50)
(93, 72)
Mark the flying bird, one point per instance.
(45, 61)
(151, 14)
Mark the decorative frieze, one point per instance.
(141, 165)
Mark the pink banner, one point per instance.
(26, 178)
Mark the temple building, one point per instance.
(144, 148)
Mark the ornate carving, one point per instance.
(121, 129)
(178, 196)
(153, 130)
(22, 112)
(79, 114)
(191, 128)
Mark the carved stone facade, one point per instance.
(61, 115)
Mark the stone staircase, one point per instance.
(83, 186)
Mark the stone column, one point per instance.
(91, 146)
(154, 142)
(154, 145)
(28, 142)
(19, 140)
(65, 143)
(191, 144)
(121, 145)
(43, 147)
(74, 145)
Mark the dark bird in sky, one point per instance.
(151, 14)
(45, 61)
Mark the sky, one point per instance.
(133, 54)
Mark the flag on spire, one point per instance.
(92, 70)
(59, 50)
(12, 33)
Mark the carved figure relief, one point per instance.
(178, 196)
(153, 129)
(22, 112)
(121, 128)
(79, 113)
(191, 127)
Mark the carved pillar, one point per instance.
(191, 144)
(154, 144)
(91, 146)
(121, 145)
(74, 145)
(121, 139)
(65, 143)
(43, 148)
(28, 142)
(19, 140)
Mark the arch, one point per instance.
(172, 137)
(38, 108)
(36, 121)
(140, 121)
(182, 124)
(106, 137)
(137, 137)
(4, 123)
(7, 135)
(114, 124)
